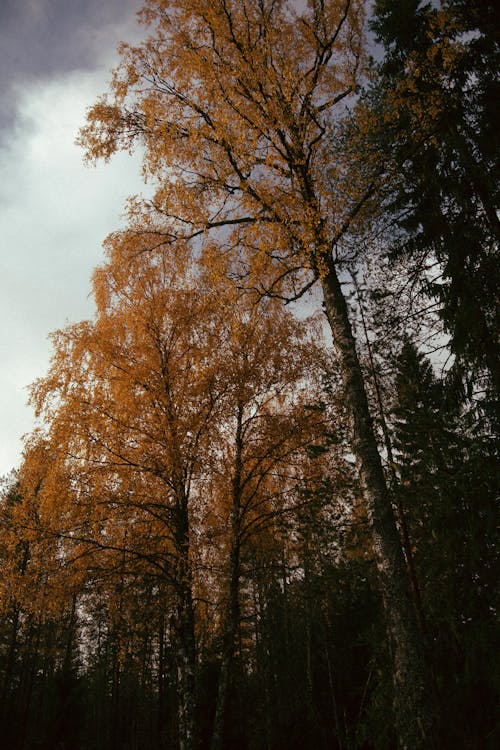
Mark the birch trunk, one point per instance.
(186, 675)
(231, 630)
(232, 619)
(411, 709)
(185, 632)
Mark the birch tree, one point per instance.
(137, 413)
(237, 105)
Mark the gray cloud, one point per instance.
(43, 38)
(54, 212)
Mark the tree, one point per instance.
(435, 126)
(163, 412)
(237, 106)
(259, 467)
(38, 595)
(449, 487)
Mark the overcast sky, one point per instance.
(55, 59)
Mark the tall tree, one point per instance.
(129, 401)
(38, 597)
(139, 406)
(436, 128)
(449, 488)
(259, 467)
(236, 105)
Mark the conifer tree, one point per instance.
(448, 486)
(436, 129)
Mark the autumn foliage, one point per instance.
(237, 518)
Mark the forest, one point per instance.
(259, 507)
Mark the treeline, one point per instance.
(92, 644)
(225, 532)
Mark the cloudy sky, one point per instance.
(55, 59)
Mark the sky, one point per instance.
(56, 58)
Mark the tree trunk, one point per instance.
(403, 525)
(161, 678)
(231, 629)
(10, 660)
(411, 707)
(185, 631)
(186, 675)
(232, 619)
(307, 614)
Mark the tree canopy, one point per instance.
(241, 521)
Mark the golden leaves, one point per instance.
(235, 104)
(139, 410)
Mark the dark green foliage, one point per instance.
(449, 489)
(445, 197)
(399, 26)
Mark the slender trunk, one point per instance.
(286, 616)
(307, 606)
(68, 654)
(186, 674)
(13, 644)
(185, 632)
(115, 697)
(231, 629)
(232, 620)
(412, 712)
(331, 684)
(405, 535)
(161, 678)
(10, 660)
(262, 662)
(27, 683)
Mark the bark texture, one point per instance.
(185, 635)
(411, 704)
(231, 629)
(233, 609)
(186, 674)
